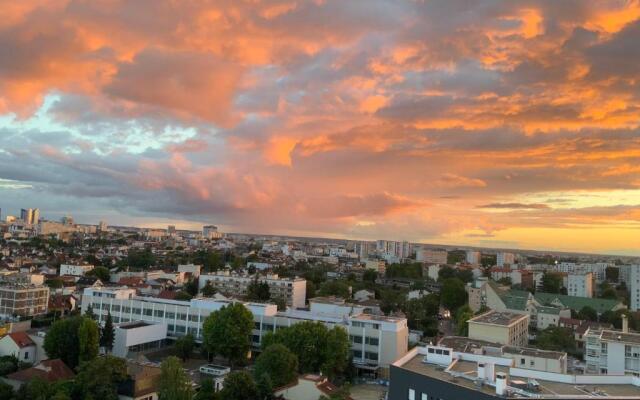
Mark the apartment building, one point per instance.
(75, 270)
(293, 290)
(376, 341)
(505, 259)
(612, 352)
(473, 257)
(580, 284)
(634, 287)
(23, 300)
(431, 256)
(500, 327)
(599, 270)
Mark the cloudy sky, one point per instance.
(491, 123)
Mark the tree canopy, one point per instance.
(239, 385)
(99, 378)
(279, 363)
(226, 332)
(174, 383)
(453, 294)
(64, 340)
(318, 348)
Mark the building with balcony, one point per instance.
(22, 300)
(612, 352)
(292, 290)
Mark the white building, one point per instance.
(580, 284)
(293, 290)
(19, 345)
(634, 287)
(136, 336)
(505, 259)
(473, 257)
(376, 341)
(599, 270)
(394, 251)
(609, 352)
(431, 256)
(75, 270)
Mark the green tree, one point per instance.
(174, 383)
(36, 389)
(453, 294)
(279, 363)
(184, 346)
(207, 390)
(551, 282)
(463, 314)
(107, 335)
(101, 273)
(90, 314)
(208, 290)
(369, 275)
(6, 391)
(392, 300)
(318, 348)
(265, 387)
(226, 332)
(62, 341)
(88, 339)
(556, 338)
(141, 259)
(588, 313)
(258, 291)
(422, 313)
(335, 288)
(191, 287)
(99, 378)
(239, 385)
(405, 270)
(183, 296)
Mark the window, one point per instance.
(147, 311)
(182, 317)
(522, 361)
(371, 356)
(159, 313)
(26, 355)
(193, 318)
(170, 315)
(412, 394)
(372, 341)
(532, 363)
(431, 350)
(357, 354)
(356, 339)
(424, 396)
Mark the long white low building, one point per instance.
(376, 341)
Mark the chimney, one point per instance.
(501, 384)
(625, 324)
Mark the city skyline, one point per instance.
(502, 124)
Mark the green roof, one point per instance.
(548, 310)
(576, 303)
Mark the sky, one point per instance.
(485, 123)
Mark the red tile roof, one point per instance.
(49, 370)
(21, 339)
(131, 281)
(167, 295)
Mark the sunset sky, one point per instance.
(485, 123)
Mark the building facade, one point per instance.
(431, 256)
(609, 352)
(634, 287)
(580, 284)
(500, 327)
(376, 341)
(292, 290)
(23, 300)
(75, 270)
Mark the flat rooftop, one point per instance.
(133, 325)
(465, 373)
(619, 336)
(498, 318)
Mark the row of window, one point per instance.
(368, 355)
(367, 340)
